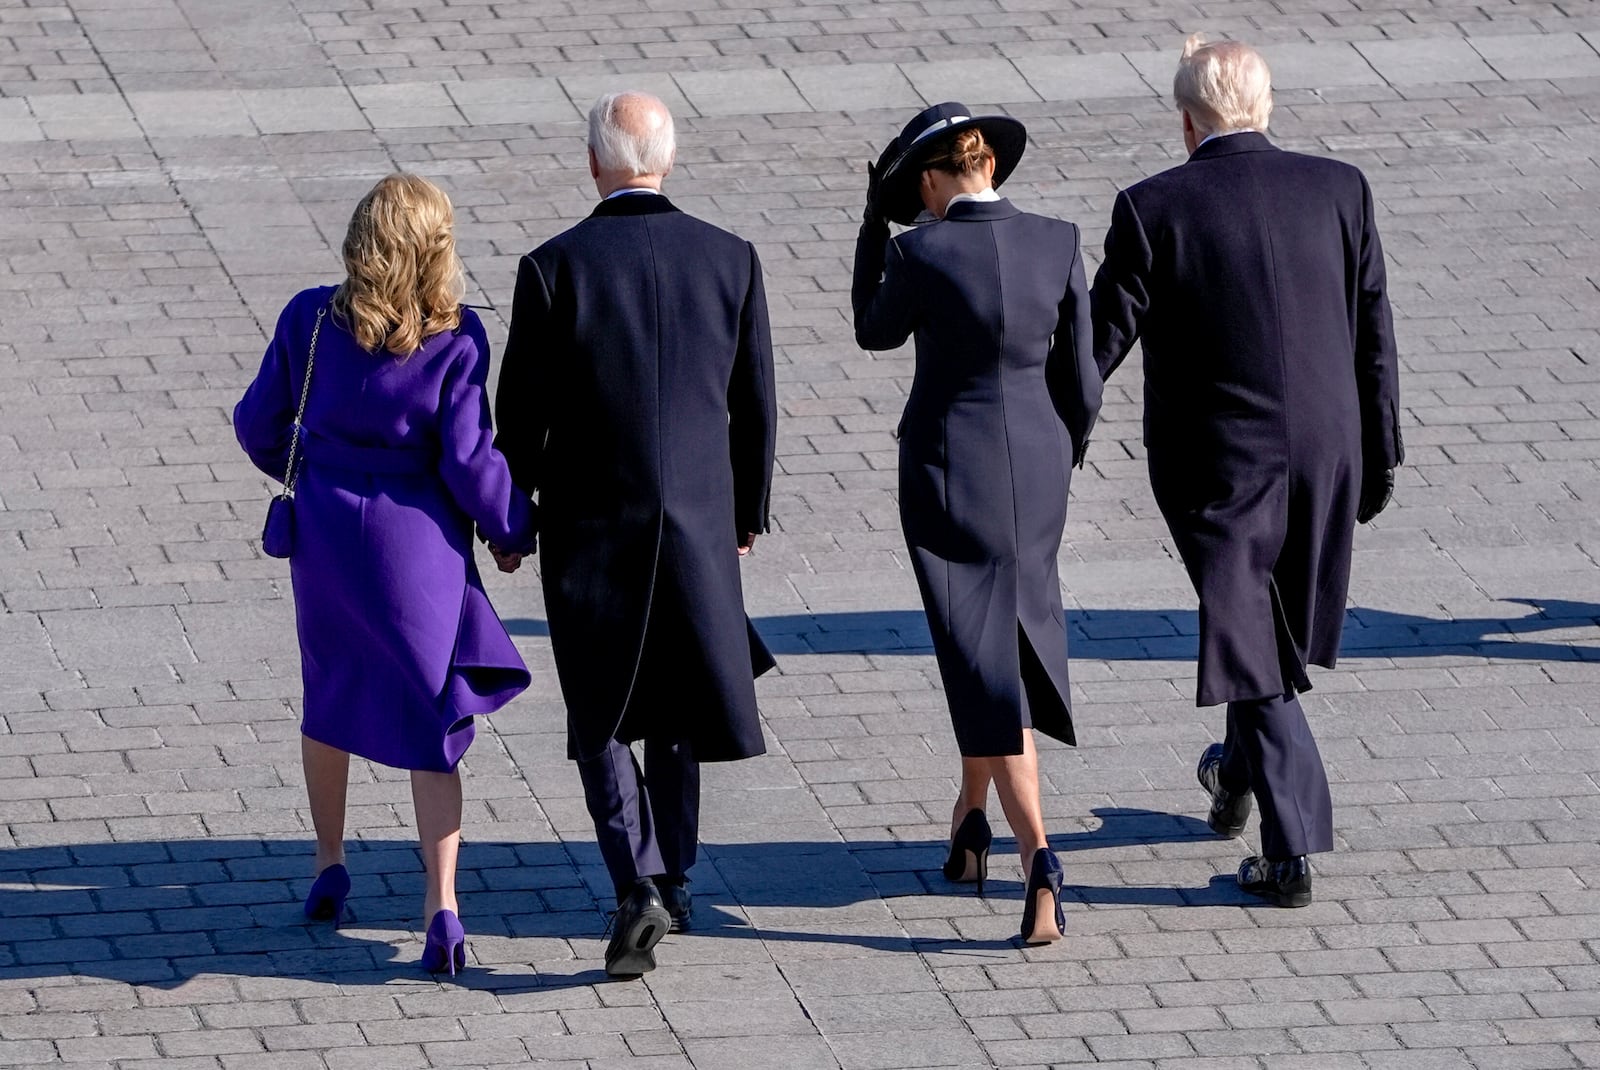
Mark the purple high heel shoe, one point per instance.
(328, 892)
(446, 945)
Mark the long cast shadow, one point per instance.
(162, 913)
(1172, 634)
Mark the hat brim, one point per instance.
(899, 196)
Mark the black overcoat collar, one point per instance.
(634, 204)
(1233, 144)
(968, 211)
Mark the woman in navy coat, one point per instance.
(1004, 396)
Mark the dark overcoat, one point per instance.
(1256, 280)
(637, 400)
(1004, 396)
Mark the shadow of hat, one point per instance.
(923, 138)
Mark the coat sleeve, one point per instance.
(522, 398)
(263, 420)
(753, 411)
(1070, 371)
(1377, 362)
(474, 471)
(880, 291)
(1121, 295)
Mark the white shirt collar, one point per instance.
(982, 196)
(1225, 133)
(625, 190)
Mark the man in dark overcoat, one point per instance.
(637, 400)
(1256, 280)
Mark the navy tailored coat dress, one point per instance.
(637, 400)
(1003, 399)
(1256, 280)
(399, 646)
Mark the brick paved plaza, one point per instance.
(172, 170)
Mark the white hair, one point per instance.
(632, 132)
(1224, 86)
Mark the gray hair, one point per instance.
(632, 132)
(1224, 86)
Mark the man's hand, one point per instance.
(1376, 490)
(747, 544)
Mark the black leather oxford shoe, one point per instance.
(679, 903)
(636, 928)
(1229, 811)
(1286, 883)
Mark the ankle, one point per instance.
(329, 858)
(962, 809)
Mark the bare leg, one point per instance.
(1016, 781)
(975, 777)
(437, 797)
(327, 782)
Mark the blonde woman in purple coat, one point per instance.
(399, 645)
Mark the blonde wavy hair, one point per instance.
(404, 282)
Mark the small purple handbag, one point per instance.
(277, 535)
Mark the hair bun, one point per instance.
(967, 152)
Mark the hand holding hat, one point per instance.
(873, 212)
(895, 191)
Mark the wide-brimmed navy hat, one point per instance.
(899, 198)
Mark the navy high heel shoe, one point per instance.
(328, 893)
(1042, 919)
(446, 945)
(969, 850)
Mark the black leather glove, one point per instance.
(873, 213)
(1377, 487)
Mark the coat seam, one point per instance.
(655, 565)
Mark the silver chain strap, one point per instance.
(290, 476)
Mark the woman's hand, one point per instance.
(873, 213)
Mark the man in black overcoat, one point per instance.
(1256, 280)
(637, 400)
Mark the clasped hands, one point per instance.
(510, 562)
(507, 562)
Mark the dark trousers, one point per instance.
(1269, 750)
(647, 821)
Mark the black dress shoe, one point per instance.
(1286, 883)
(1229, 812)
(637, 927)
(679, 903)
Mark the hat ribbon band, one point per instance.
(940, 125)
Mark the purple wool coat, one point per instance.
(399, 645)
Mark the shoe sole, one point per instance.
(682, 923)
(1228, 832)
(1292, 900)
(637, 955)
